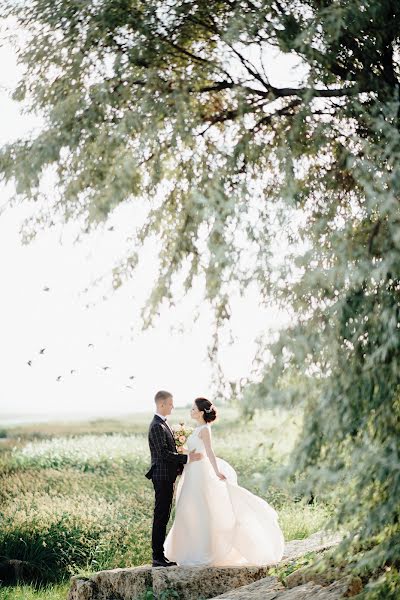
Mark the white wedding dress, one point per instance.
(218, 523)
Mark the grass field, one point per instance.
(74, 498)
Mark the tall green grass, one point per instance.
(28, 592)
(80, 503)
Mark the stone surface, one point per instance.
(204, 582)
(317, 542)
(113, 584)
(82, 589)
(265, 589)
(324, 578)
(122, 584)
(191, 583)
(270, 589)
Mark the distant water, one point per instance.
(10, 420)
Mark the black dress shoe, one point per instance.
(162, 562)
(171, 563)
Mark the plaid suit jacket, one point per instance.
(166, 462)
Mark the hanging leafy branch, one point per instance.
(172, 101)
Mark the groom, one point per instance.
(166, 465)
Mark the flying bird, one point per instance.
(46, 289)
(58, 378)
(29, 363)
(90, 345)
(105, 368)
(41, 351)
(129, 386)
(73, 371)
(131, 377)
(111, 228)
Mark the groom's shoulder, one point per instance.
(155, 428)
(154, 422)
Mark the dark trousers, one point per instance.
(164, 491)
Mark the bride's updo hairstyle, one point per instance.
(210, 412)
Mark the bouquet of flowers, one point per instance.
(181, 433)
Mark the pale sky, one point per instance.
(59, 320)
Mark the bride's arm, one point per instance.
(206, 437)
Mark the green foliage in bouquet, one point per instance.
(173, 102)
(181, 433)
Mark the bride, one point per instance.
(217, 522)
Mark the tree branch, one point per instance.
(327, 93)
(278, 113)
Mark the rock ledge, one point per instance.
(196, 583)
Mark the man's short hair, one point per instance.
(162, 395)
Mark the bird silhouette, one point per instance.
(46, 289)
(58, 378)
(105, 368)
(73, 371)
(90, 345)
(131, 377)
(111, 228)
(129, 386)
(41, 351)
(29, 363)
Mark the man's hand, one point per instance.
(193, 455)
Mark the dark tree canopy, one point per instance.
(171, 101)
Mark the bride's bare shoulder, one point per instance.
(205, 432)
